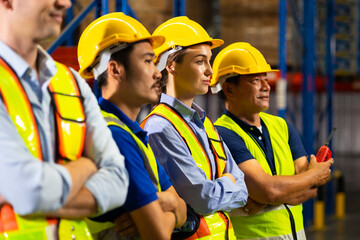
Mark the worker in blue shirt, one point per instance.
(117, 50)
(266, 148)
(185, 141)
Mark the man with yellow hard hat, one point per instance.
(118, 51)
(266, 148)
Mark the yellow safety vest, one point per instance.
(70, 122)
(217, 225)
(273, 220)
(149, 162)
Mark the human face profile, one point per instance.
(142, 76)
(252, 92)
(192, 74)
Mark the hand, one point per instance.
(229, 175)
(322, 170)
(168, 201)
(252, 207)
(125, 226)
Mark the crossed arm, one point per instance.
(155, 220)
(266, 189)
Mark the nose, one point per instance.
(265, 86)
(208, 70)
(157, 74)
(63, 3)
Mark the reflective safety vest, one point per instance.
(272, 221)
(217, 225)
(149, 162)
(70, 124)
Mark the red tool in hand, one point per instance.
(324, 152)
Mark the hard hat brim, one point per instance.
(216, 43)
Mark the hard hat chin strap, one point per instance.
(104, 58)
(164, 57)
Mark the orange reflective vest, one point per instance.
(216, 225)
(71, 127)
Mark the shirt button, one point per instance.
(251, 128)
(260, 138)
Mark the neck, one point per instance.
(130, 110)
(252, 118)
(25, 48)
(171, 90)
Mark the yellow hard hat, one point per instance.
(237, 59)
(112, 29)
(183, 32)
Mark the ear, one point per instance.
(227, 89)
(171, 68)
(116, 70)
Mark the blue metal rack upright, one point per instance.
(306, 28)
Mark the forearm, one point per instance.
(82, 205)
(152, 222)
(80, 171)
(180, 213)
(281, 189)
(169, 222)
(300, 198)
(170, 201)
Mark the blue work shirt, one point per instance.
(34, 186)
(204, 195)
(141, 189)
(239, 150)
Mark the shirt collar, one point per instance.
(187, 113)
(16, 62)
(134, 126)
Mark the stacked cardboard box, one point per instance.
(253, 21)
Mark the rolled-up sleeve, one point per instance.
(205, 196)
(110, 184)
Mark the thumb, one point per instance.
(330, 162)
(312, 158)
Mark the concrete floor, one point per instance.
(346, 229)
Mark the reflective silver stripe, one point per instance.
(119, 123)
(52, 232)
(300, 235)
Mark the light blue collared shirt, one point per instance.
(33, 186)
(203, 195)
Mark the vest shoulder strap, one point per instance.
(69, 113)
(187, 134)
(19, 108)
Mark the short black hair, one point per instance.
(233, 80)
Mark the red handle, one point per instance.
(323, 154)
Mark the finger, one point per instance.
(123, 226)
(129, 231)
(124, 218)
